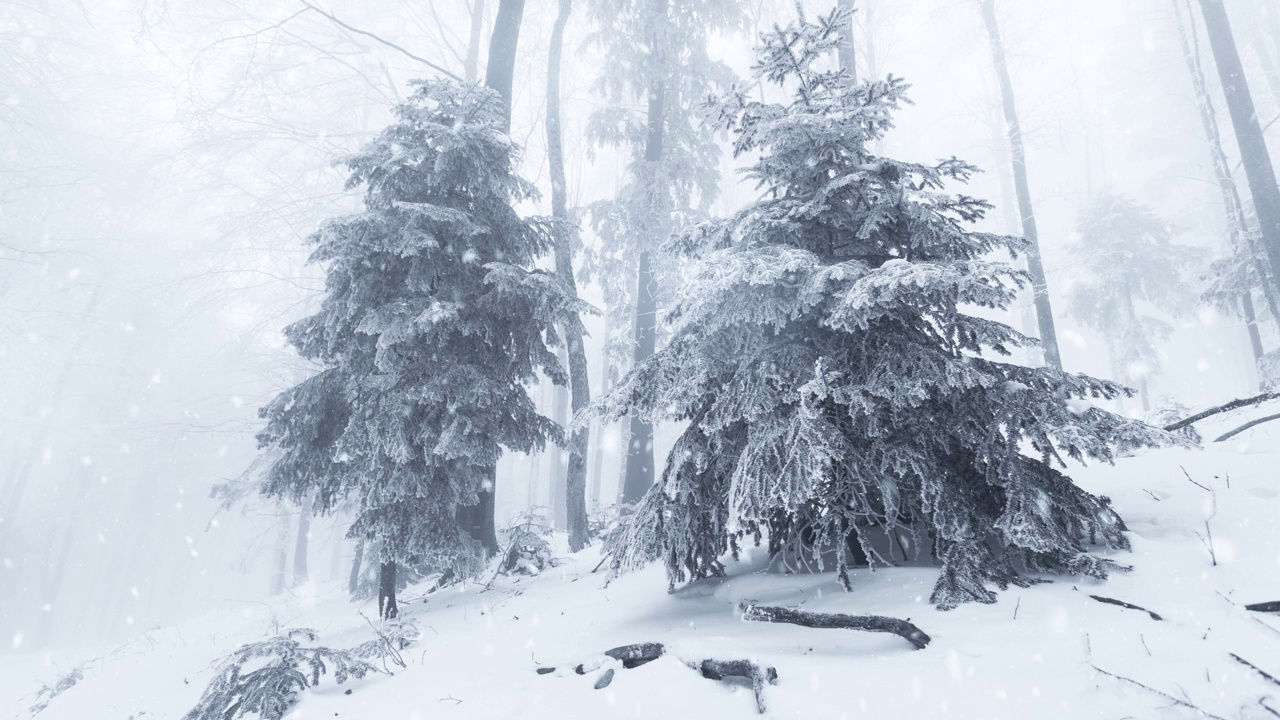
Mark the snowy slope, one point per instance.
(1037, 653)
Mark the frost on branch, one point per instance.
(836, 386)
(280, 668)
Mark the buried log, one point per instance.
(632, 656)
(721, 669)
(1272, 606)
(604, 680)
(1127, 606)
(867, 623)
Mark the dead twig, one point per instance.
(1127, 606)
(1192, 481)
(1268, 676)
(1161, 693)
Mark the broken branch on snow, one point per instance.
(1127, 606)
(867, 623)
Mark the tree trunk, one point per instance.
(847, 53)
(479, 519)
(472, 69)
(1253, 146)
(300, 545)
(500, 72)
(387, 609)
(575, 484)
(639, 475)
(556, 480)
(353, 580)
(1035, 264)
(1237, 232)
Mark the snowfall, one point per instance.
(1205, 530)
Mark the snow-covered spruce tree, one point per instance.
(1125, 254)
(429, 332)
(833, 384)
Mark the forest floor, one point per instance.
(1049, 651)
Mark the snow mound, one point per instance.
(1206, 542)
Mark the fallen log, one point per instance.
(1252, 423)
(1225, 407)
(631, 656)
(1272, 606)
(1123, 604)
(867, 623)
(721, 669)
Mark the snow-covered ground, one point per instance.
(1042, 652)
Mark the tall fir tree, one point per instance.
(1126, 255)
(431, 328)
(835, 388)
(657, 55)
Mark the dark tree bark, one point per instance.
(1237, 233)
(639, 475)
(575, 483)
(1035, 264)
(499, 74)
(847, 53)
(387, 609)
(867, 623)
(479, 520)
(472, 68)
(1253, 146)
(353, 580)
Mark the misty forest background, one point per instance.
(165, 162)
